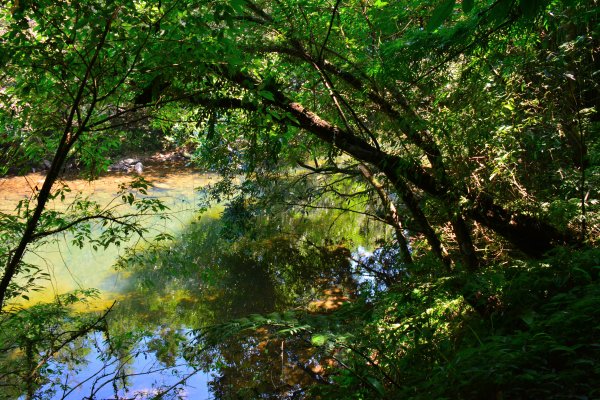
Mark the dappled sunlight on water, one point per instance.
(225, 265)
(71, 267)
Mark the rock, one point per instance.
(127, 165)
(46, 164)
(138, 168)
(118, 167)
(158, 186)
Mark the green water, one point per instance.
(216, 268)
(70, 267)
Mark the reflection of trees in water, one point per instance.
(207, 277)
(49, 351)
(277, 355)
(221, 271)
(258, 365)
(38, 342)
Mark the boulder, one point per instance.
(138, 168)
(127, 165)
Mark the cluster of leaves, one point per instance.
(421, 341)
(32, 339)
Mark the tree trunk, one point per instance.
(67, 141)
(465, 243)
(529, 234)
(392, 213)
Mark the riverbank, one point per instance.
(125, 162)
(19, 187)
(136, 163)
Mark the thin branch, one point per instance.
(75, 334)
(335, 8)
(66, 142)
(117, 220)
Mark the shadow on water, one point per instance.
(217, 269)
(222, 269)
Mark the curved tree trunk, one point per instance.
(392, 213)
(531, 235)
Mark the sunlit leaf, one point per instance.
(267, 95)
(440, 14)
(467, 5)
(318, 340)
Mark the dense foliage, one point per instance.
(469, 129)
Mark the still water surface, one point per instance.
(71, 268)
(180, 288)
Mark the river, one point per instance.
(208, 274)
(70, 267)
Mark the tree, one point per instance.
(368, 88)
(475, 126)
(368, 72)
(69, 75)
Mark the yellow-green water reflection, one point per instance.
(210, 273)
(71, 267)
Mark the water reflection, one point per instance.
(217, 269)
(220, 269)
(140, 372)
(71, 267)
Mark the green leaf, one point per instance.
(238, 5)
(292, 118)
(377, 385)
(267, 95)
(289, 315)
(528, 317)
(584, 273)
(565, 348)
(275, 316)
(467, 5)
(257, 318)
(275, 114)
(318, 340)
(440, 14)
